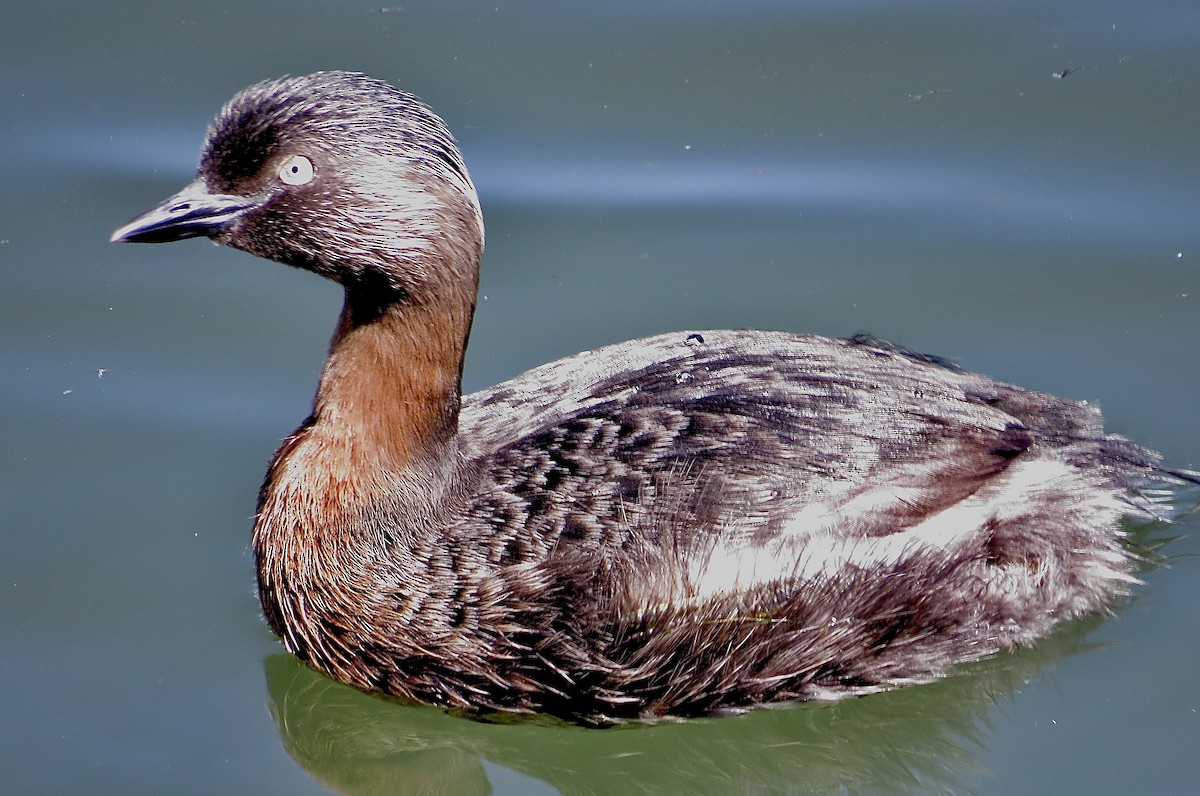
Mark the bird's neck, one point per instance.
(390, 388)
(380, 446)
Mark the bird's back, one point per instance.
(737, 517)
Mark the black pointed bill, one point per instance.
(191, 213)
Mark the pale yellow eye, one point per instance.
(296, 170)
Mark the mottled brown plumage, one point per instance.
(678, 525)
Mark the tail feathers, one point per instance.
(1179, 474)
(1165, 493)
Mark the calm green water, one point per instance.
(909, 168)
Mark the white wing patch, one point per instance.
(820, 545)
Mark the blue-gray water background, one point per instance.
(914, 169)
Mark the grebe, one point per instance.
(680, 525)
